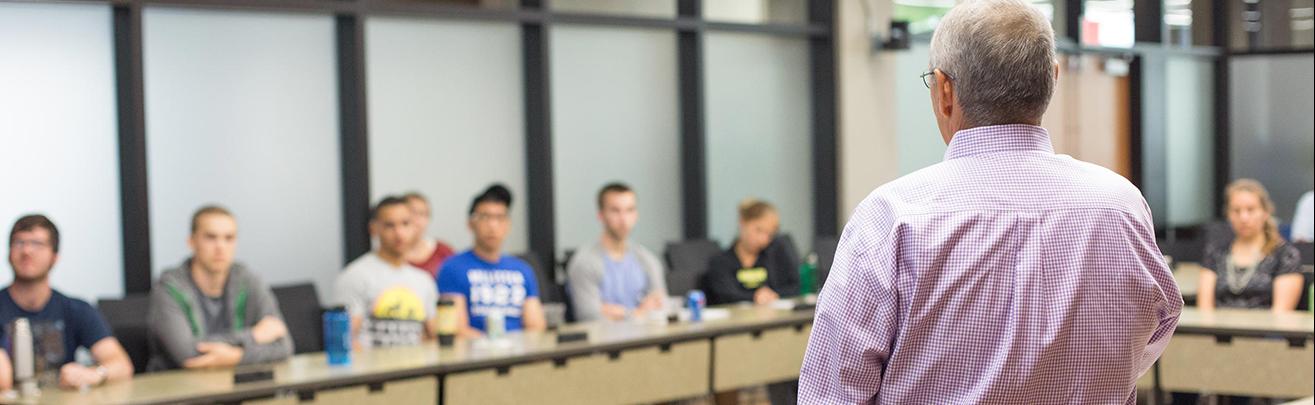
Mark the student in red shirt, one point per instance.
(426, 253)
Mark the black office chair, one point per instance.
(129, 324)
(550, 291)
(825, 248)
(1307, 257)
(687, 261)
(303, 315)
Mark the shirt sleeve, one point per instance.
(273, 351)
(348, 290)
(450, 282)
(857, 318)
(786, 276)
(170, 326)
(657, 275)
(1289, 260)
(531, 282)
(1169, 300)
(91, 326)
(582, 282)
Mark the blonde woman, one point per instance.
(751, 271)
(1256, 268)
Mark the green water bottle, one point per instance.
(808, 275)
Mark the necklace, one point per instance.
(1237, 279)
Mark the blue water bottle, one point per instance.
(338, 336)
(696, 300)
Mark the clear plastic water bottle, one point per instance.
(338, 336)
(495, 324)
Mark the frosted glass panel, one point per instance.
(615, 119)
(59, 139)
(242, 110)
(756, 11)
(917, 138)
(446, 117)
(1272, 124)
(759, 124)
(634, 8)
(1189, 139)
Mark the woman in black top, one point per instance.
(1255, 268)
(754, 269)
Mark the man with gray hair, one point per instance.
(1005, 274)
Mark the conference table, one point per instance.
(1241, 352)
(631, 362)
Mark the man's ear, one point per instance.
(945, 87)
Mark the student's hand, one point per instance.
(613, 312)
(764, 296)
(268, 330)
(74, 376)
(653, 302)
(214, 354)
(469, 333)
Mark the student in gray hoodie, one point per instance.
(615, 278)
(211, 312)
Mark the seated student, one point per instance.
(483, 280)
(1255, 268)
(33, 251)
(753, 269)
(390, 301)
(614, 278)
(211, 311)
(425, 252)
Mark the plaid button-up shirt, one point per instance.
(1005, 274)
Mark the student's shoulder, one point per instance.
(459, 262)
(517, 263)
(71, 304)
(723, 260)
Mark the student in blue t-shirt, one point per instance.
(60, 324)
(483, 280)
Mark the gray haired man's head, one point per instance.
(1000, 58)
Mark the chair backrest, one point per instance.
(300, 305)
(825, 248)
(687, 261)
(1307, 255)
(1307, 252)
(129, 324)
(549, 290)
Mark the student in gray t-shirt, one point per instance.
(615, 279)
(212, 312)
(390, 301)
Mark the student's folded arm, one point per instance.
(170, 327)
(255, 352)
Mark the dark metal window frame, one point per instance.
(534, 18)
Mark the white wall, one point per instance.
(759, 131)
(242, 110)
(446, 117)
(59, 139)
(615, 118)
